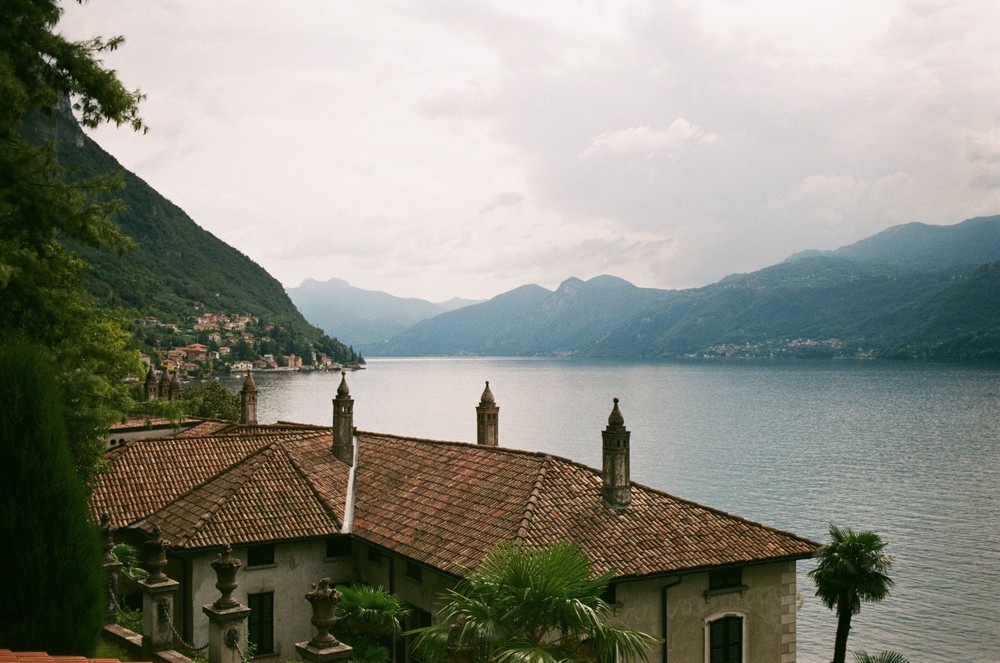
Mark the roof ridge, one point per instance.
(328, 506)
(248, 463)
(533, 496)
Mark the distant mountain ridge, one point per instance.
(923, 247)
(529, 320)
(912, 291)
(363, 317)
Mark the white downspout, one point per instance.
(349, 501)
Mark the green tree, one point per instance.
(852, 569)
(370, 620)
(213, 401)
(53, 584)
(41, 205)
(532, 605)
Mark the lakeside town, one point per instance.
(218, 343)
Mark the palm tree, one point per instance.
(852, 569)
(369, 619)
(531, 605)
(881, 657)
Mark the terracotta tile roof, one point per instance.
(440, 503)
(7, 656)
(148, 474)
(148, 422)
(207, 427)
(443, 504)
(269, 496)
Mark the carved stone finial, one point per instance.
(487, 397)
(324, 599)
(615, 418)
(343, 391)
(226, 567)
(155, 558)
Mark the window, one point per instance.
(609, 595)
(413, 570)
(725, 640)
(338, 546)
(260, 629)
(260, 555)
(731, 578)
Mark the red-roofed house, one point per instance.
(299, 503)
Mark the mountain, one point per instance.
(529, 320)
(913, 291)
(921, 247)
(179, 269)
(363, 317)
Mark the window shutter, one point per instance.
(726, 640)
(261, 623)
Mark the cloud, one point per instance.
(506, 199)
(644, 140)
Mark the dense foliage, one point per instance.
(370, 620)
(531, 605)
(53, 587)
(42, 205)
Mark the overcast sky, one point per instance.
(434, 149)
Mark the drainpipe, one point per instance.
(663, 608)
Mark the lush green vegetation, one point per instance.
(370, 620)
(53, 576)
(42, 207)
(529, 604)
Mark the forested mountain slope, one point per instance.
(178, 269)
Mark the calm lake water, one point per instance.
(910, 451)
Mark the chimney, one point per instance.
(248, 401)
(487, 426)
(343, 422)
(617, 490)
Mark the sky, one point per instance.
(439, 148)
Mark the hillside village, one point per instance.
(214, 343)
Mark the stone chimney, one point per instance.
(176, 392)
(617, 490)
(164, 385)
(343, 422)
(487, 426)
(248, 401)
(150, 389)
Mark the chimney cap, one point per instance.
(248, 382)
(343, 391)
(487, 397)
(615, 418)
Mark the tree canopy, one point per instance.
(41, 205)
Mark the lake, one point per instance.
(911, 451)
